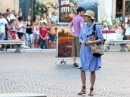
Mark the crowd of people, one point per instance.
(122, 31)
(40, 33)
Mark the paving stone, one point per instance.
(41, 72)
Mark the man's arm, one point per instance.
(71, 27)
(81, 22)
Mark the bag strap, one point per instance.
(94, 28)
(94, 32)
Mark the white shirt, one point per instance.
(11, 17)
(21, 30)
(2, 25)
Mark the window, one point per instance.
(119, 8)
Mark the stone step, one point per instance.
(32, 50)
(22, 95)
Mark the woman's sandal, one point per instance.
(83, 91)
(91, 91)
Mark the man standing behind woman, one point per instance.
(76, 25)
(88, 62)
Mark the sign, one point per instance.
(68, 8)
(65, 38)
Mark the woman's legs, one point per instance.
(34, 42)
(31, 40)
(37, 45)
(83, 79)
(28, 38)
(92, 80)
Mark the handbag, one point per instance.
(96, 49)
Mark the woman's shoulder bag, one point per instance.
(96, 49)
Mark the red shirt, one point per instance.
(43, 32)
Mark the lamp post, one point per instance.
(123, 11)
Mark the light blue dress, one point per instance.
(87, 61)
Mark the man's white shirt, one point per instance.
(11, 17)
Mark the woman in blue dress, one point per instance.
(87, 61)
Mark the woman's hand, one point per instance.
(90, 42)
(82, 42)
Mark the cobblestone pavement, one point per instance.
(42, 73)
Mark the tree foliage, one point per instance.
(40, 8)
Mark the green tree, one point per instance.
(39, 9)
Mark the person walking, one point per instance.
(88, 62)
(76, 25)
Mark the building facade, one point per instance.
(107, 9)
(13, 4)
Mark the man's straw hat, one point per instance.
(90, 13)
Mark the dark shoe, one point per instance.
(75, 65)
(83, 91)
(91, 92)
